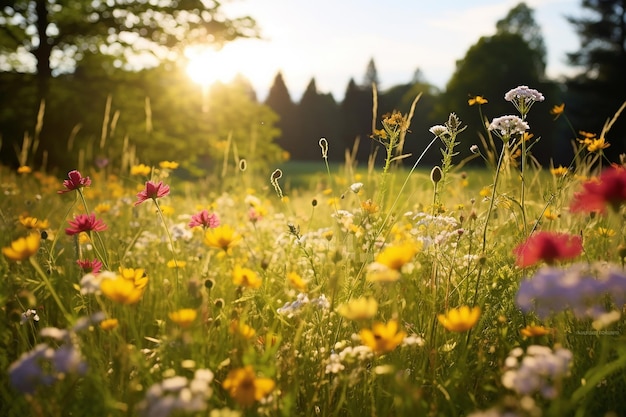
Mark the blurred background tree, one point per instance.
(595, 94)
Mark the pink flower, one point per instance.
(152, 191)
(607, 190)
(85, 223)
(547, 247)
(205, 219)
(92, 266)
(75, 181)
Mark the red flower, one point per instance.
(92, 266)
(85, 223)
(609, 189)
(204, 219)
(75, 181)
(152, 191)
(547, 247)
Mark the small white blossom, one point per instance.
(507, 126)
(439, 130)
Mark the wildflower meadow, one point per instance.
(392, 290)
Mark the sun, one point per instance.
(206, 65)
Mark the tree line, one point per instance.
(95, 108)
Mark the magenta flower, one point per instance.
(90, 266)
(205, 219)
(75, 181)
(152, 191)
(85, 223)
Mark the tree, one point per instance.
(56, 34)
(279, 100)
(520, 20)
(356, 117)
(371, 75)
(317, 118)
(597, 92)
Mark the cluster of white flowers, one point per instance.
(178, 394)
(291, 308)
(507, 126)
(28, 315)
(523, 98)
(430, 229)
(538, 371)
(347, 355)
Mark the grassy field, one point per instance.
(319, 290)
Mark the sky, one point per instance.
(333, 40)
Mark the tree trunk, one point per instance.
(43, 50)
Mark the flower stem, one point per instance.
(51, 289)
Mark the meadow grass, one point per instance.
(337, 292)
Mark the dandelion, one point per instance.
(547, 247)
(507, 126)
(75, 181)
(85, 223)
(362, 308)
(140, 170)
(152, 191)
(221, 237)
(383, 337)
(460, 319)
(246, 277)
(121, 290)
(205, 219)
(477, 100)
(33, 223)
(245, 387)
(23, 247)
(609, 189)
(183, 317)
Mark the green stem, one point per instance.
(169, 237)
(46, 281)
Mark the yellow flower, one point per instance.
(241, 329)
(485, 191)
(328, 235)
(396, 256)
(176, 264)
(221, 237)
(557, 110)
(460, 319)
(246, 277)
(83, 238)
(560, 171)
(596, 145)
(167, 210)
(244, 387)
(109, 324)
(296, 281)
(369, 206)
(140, 170)
(534, 331)
(135, 275)
(102, 208)
(477, 100)
(168, 165)
(33, 223)
(382, 337)
(550, 215)
(23, 248)
(359, 309)
(121, 290)
(24, 169)
(605, 232)
(183, 317)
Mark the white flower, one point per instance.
(507, 126)
(439, 130)
(523, 93)
(356, 187)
